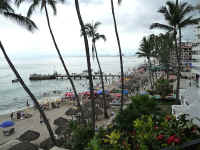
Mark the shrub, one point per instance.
(163, 87)
(152, 133)
(141, 104)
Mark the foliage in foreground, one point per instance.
(140, 127)
(163, 87)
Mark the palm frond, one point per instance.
(52, 3)
(21, 20)
(19, 2)
(5, 6)
(32, 8)
(189, 21)
(98, 36)
(62, 1)
(161, 26)
(96, 25)
(89, 29)
(185, 10)
(162, 10)
(140, 54)
(119, 2)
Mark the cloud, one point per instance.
(133, 18)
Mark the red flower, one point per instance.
(133, 132)
(177, 140)
(170, 139)
(156, 127)
(159, 137)
(168, 118)
(124, 142)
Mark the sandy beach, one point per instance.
(33, 123)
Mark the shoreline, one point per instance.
(44, 98)
(33, 123)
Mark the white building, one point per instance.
(196, 53)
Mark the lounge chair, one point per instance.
(9, 132)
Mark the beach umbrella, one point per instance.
(144, 93)
(29, 135)
(63, 130)
(24, 146)
(117, 94)
(86, 93)
(125, 91)
(156, 96)
(47, 144)
(61, 121)
(6, 124)
(99, 92)
(69, 94)
(71, 111)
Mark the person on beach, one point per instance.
(11, 116)
(41, 120)
(27, 103)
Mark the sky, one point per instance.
(133, 19)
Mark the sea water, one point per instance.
(13, 96)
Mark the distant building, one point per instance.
(196, 52)
(185, 57)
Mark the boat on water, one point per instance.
(42, 77)
(15, 80)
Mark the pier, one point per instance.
(74, 76)
(80, 76)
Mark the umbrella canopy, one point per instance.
(117, 94)
(86, 93)
(8, 123)
(156, 96)
(61, 121)
(125, 91)
(71, 111)
(29, 135)
(115, 91)
(62, 130)
(172, 77)
(69, 94)
(99, 92)
(144, 93)
(47, 144)
(24, 146)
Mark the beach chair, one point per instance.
(9, 132)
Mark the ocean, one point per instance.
(13, 97)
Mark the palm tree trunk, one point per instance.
(102, 83)
(62, 61)
(120, 55)
(88, 62)
(150, 73)
(37, 105)
(178, 70)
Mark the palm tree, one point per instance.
(146, 50)
(120, 53)
(52, 4)
(91, 31)
(175, 15)
(7, 11)
(185, 20)
(164, 47)
(87, 51)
